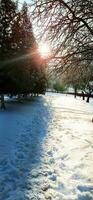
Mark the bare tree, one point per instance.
(68, 25)
(80, 78)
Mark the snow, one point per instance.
(46, 149)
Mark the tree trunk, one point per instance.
(2, 102)
(88, 99)
(75, 89)
(83, 95)
(19, 98)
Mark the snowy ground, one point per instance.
(46, 149)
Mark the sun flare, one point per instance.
(44, 49)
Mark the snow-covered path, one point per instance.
(46, 149)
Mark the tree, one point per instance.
(80, 79)
(68, 25)
(59, 86)
(87, 82)
(38, 81)
(7, 16)
(20, 59)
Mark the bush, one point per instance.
(59, 87)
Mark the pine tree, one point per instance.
(20, 65)
(7, 15)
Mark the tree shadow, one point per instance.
(26, 131)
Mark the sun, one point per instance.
(44, 49)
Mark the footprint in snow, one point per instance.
(50, 153)
(53, 177)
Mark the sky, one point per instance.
(36, 29)
(28, 1)
(22, 1)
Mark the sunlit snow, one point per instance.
(46, 149)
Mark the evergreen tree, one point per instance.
(7, 16)
(20, 65)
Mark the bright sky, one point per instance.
(28, 1)
(44, 48)
(22, 1)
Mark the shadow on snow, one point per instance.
(23, 129)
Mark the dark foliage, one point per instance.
(20, 64)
